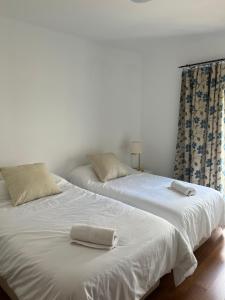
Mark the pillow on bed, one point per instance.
(107, 166)
(82, 176)
(4, 194)
(29, 182)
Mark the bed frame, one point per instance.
(151, 290)
(5, 287)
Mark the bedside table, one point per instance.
(144, 171)
(147, 171)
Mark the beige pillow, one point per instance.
(107, 166)
(29, 182)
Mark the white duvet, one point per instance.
(39, 262)
(196, 216)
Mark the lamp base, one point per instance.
(139, 169)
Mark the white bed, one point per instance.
(38, 261)
(196, 216)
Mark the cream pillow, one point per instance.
(107, 166)
(29, 182)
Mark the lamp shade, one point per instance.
(135, 147)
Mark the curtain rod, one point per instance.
(202, 63)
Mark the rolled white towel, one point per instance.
(183, 188)
(94, 236)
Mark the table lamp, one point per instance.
(136, 149)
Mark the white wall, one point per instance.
(161, 92)
(61, 97)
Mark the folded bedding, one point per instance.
(39, 262)
(183, 188)
(195, 217)
(94, 236)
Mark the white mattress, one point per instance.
(39, 262)
(196, 216)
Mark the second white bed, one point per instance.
(195, 217)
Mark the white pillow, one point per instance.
(82, 176)
(85, 175)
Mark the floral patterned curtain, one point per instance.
(200, 141)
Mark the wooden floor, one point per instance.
(207, 283)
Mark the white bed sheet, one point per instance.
(196, 216)
(39, 262)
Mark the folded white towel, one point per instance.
(92, 245)
(94, 236)
(183, 188)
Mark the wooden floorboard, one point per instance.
(207, 283)
(3, 295)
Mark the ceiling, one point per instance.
(120, 19)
